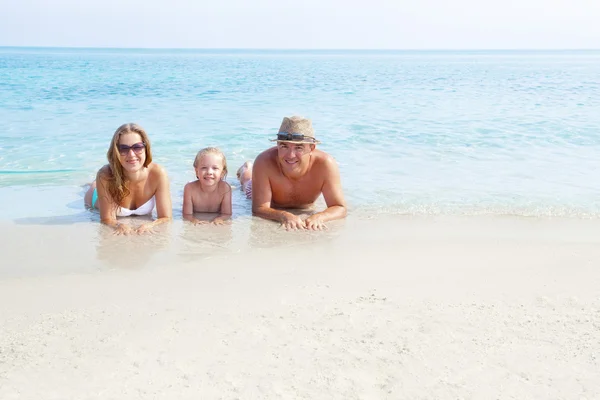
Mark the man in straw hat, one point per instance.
(292, 175)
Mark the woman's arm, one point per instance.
(188, 204)
(106, 204)
(164, 210)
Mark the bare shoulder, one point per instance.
(224, 187)
(266, 159)
(189, 186)
(325, 161)
(104, 173)
(157, 171)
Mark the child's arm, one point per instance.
(225, 212)
(188, 205)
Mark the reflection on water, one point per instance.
(268, 234)
(131, 251)
(184, 242)
(81, 244)
(200, 241)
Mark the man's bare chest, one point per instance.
(288, 193)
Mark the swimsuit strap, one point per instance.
(94, 198)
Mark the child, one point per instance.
(244, 175)
(210, 193)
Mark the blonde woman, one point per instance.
(130, 184)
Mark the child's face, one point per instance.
(209, 169)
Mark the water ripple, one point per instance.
(413, 132)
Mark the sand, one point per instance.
(377, 308)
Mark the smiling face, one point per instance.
(294, 157)
(209, 169)
(132, 151)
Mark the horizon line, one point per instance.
(291, 49)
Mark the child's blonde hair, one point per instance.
(212, 150)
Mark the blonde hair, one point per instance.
(212, 150)
(117, 184)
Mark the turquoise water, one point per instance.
(413, 132)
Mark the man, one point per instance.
(292, 175)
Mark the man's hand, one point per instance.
(292, 222)
(315, 223)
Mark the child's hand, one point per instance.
(218, 221)
(200, 222)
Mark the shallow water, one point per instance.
(413, 132)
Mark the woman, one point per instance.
(130, 184)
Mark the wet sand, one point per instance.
(382, 307)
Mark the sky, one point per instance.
(303, 24)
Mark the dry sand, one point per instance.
(382, 308)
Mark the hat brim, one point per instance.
(296, 141)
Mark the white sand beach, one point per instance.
(390, 307)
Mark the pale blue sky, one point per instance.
(314, 24)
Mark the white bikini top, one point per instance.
(144, 209)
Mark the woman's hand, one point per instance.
(122, 229)
(145, 228)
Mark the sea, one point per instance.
(414, 132)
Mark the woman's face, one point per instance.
(132, 152)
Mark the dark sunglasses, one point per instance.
(136, 147)
(296, 137)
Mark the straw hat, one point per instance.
(297, 129)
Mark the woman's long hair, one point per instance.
(117, 183)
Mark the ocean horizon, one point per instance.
(305, 50)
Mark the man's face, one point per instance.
(293, 156)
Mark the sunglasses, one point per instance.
(296, 137)
(136, 147)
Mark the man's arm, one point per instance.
(262, 195)
(333, 195)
